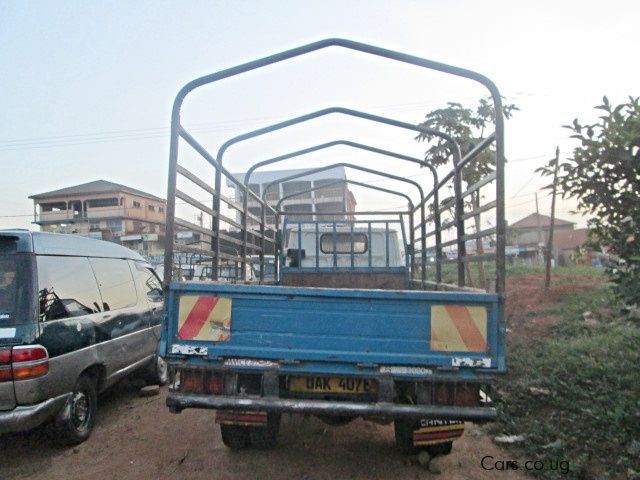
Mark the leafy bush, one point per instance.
(603, 174)
(589, 409)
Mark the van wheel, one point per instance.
(76, 420)
(157, 372)
(235, 437)
(266, 437)
(404, 436)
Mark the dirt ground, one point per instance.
(137, 438)
(527, 299)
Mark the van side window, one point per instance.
(147, 281)
(66, 287)
(116, 283)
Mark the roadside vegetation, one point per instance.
(572, 392)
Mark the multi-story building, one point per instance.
(334, 197)
(104, 210)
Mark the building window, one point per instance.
(151, 208)
(329, 188)
(136, 204)
(255, 188)
(305, 207)
(53, 207)
(102, 202)
(328, 209)
(161, 209)
(289, 188)
(114, 225)
(272, 193)
(94, 226)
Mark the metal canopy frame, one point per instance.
(177, 131)
(455, 151)
(369, 148)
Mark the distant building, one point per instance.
(527, 238)
(107, 211)
(335, 197)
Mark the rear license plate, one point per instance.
(331, 385)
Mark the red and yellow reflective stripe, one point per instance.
(241, 418)
(439, 434)
(204, 318)
(457, 328)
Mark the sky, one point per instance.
(87, 87)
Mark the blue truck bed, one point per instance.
(386, 335)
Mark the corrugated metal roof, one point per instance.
(97, 186)
(531, 221)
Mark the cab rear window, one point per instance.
(341, 242)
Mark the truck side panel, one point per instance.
(285, 324)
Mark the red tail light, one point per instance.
(191, 381)
(459, 394)
(201, 381)
(442, 394)
(216, 383)
(467, 395)
(28, 354)
(5, 356)
(22, 363)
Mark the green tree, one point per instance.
(603, 175)
(468, 126)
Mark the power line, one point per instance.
(109, 136)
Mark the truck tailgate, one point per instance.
(373, 327)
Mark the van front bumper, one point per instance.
(179, 401)
(27, 417)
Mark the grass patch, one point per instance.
(576, 396)
(449, 272)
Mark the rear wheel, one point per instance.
(404, 436)
(266, 437)
(75, 422)
(440, 449)
(235, 437)
(158, 372)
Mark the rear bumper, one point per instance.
(27, 417)
(179, 401)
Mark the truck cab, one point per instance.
(346, 254)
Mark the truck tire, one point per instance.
(404, 436)
(266, 437)
(75, 421)
(235, 437)
(335, 421)
(440, 449)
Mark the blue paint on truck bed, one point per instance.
(337, 328)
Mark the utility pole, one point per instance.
(540, 241)
(547, 281)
